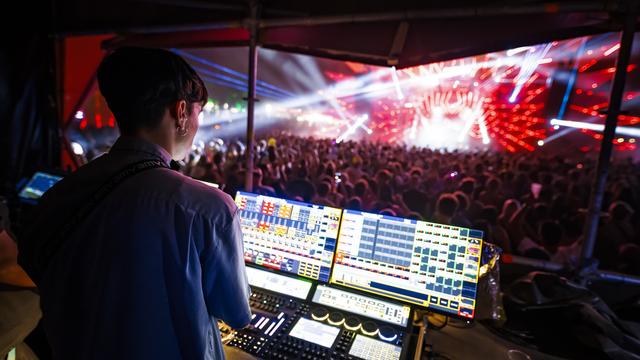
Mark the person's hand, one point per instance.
(10, 272)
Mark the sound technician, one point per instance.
(134, 260)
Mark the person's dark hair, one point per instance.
(218, 157)
(323, 189)
(463, 200)
(620, 210)
(272, 153)
(202, 161)
(414, 216)
(388, 212)
(302, 172)
(490, 214)
(360, 188)
(385, 193)
(494, 184)
(467, 185)
(484, 226)
(628, 255)
(330, 169)
(354, 203)
(447, 205)
(139, 83)
(416, 172)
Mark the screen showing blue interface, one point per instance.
(427, 264)
(289, 236)
(38, 184)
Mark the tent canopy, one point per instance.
(402, 33)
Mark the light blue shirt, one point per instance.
(151, 269)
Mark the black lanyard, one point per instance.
(58, 238)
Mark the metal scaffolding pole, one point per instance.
(251, 96)
(614, 277)
(606, 147)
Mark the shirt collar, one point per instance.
(129, 143)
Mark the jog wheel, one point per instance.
(319, 314)
(387, 333)
(369, 328)
(352, 323)
(336, 318)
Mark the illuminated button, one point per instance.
(387, 333)
(336, 318)
(319, 314)
(369, 328)
(352, 323)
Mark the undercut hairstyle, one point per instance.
(140, 83)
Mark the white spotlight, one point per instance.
(77, 148)
(512, 52)
(351, 129)
(620, 130)
(396, 83)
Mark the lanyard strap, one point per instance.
(51, 248)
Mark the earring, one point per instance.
(185, 130)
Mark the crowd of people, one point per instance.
(526, 203)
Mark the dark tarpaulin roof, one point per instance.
(400, 33)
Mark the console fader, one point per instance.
(340, 284)
(318, 322)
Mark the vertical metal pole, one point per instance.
(58, 76)
(251, 96)
(606, 147)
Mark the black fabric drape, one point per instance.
(29, 133)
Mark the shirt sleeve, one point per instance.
(225, 284)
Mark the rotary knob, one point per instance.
(369, 328)
(319, 314)
(336, 318)
(387, 333)
(352, 323)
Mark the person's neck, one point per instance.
(154, 138)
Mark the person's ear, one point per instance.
(181, 115)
